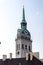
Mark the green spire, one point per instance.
(23, 23)
(23, 14)
(23, 29)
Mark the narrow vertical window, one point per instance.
(26, 47)
(29, 48)
(22, 46)
(18, 46)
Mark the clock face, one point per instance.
(25, 32)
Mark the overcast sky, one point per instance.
(10, 19)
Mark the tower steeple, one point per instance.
(23, 40)
(23, 23)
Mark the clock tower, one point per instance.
(23, 40)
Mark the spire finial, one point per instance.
(23, 14)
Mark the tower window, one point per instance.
(18, 46)
(18, 52)
(29, 48)
(25, 46)
(22, 46)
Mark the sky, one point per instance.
(10, 19)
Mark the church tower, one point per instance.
(23, 40)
